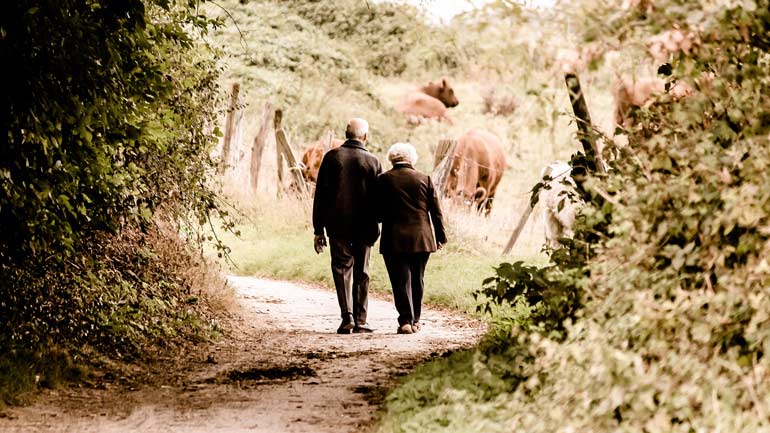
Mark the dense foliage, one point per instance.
(391, 38)
(107, 124)
(674, 327)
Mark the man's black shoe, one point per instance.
(363, 328)
(345, 327)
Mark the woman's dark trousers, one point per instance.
(406, 271)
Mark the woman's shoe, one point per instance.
(405, 329)
(416, 327)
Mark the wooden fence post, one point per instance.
(442, 163)
(586, 133)
(278, 154)
(587, 138)
(229, 127)
(523, 220)
(259, 144)
(328, 142)
(282, 146)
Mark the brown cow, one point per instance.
(441, 91)
(477, 168)
(429, 102)
(575, 61)
(313, 155)
(630, 93)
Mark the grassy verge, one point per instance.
(276, 242)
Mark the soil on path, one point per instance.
(281, 369)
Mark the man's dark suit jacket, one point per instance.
(408, 204)
(344, 202)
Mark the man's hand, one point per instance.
(319, 242)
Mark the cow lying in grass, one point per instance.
(429, 102)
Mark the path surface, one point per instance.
(283, 369)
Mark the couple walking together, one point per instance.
(352, 195)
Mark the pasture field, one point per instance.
(271, 53)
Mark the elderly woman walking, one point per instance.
(408, 204)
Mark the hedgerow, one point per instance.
(108, 120)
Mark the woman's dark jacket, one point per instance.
(408, 204)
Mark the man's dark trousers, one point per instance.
(351, 259)
(407, 270)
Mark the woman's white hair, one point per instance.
(402, 153)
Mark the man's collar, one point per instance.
(354, 143)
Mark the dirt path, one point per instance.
(283, 370)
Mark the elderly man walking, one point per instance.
(344, 205)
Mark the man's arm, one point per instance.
(320, 197)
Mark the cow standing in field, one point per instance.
(477, 167)
(313, 155)
(559, 206)
(429, 102)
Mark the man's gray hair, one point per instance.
(403, 153)
(357, 128)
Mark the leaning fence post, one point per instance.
(442, 163)
(523, 219)
(586, 133)
(283, 147)
(328, 142)
(278, 154)
(229, 127)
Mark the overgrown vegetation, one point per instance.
(672, 332)
(107, 125)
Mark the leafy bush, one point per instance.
(499, 103)
(391, 38)
(107, 129)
